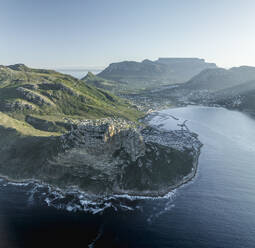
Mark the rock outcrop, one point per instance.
(57, 86)
(106, 157)
(33, 97)
(17, 105)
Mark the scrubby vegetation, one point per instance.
(105, 84)
(37, 98)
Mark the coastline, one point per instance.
(133, 193)
(145, 194)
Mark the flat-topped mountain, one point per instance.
(149, 74)
(183, 69)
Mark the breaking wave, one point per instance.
(74, 200)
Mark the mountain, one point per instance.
(240, 97)
(233, 88)
(183, 69)
(151, 74)
(219, 78)
(46, 99)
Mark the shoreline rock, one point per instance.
(106, 157)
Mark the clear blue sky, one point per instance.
(91, 33)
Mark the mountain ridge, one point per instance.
(53, 96)
(147, 73)
(220, 78)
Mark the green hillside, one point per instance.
(41, 100)
(109, 85)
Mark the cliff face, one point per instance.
(104, 157)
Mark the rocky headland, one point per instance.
(104, 157)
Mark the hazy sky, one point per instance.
(92, 33)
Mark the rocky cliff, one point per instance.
(103, 157)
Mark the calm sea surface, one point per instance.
(216, 209)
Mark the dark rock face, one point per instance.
(33, 97)
(105, 157)
(16, 106)
(57, 86)
(41, 124)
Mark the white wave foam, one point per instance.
(73, 200)
(18, 184)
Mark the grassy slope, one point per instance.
(61, 97)
(22, 127)
(105, 84)
(119, 87)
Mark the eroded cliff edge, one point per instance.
(103, 157)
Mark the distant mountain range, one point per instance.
(176, 80)
(151, 74)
